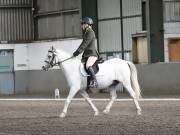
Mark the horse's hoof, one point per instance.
(106, 111)
(96, 113)
(139, 112)
(62, 115)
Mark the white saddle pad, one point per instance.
(99, 73)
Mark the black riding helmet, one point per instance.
(87, 20)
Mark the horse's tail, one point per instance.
(134, 79)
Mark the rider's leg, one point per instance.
(91, 60)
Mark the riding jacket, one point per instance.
(88, 45)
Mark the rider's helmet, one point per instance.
(87, 20)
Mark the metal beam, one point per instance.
(59, 12)
(15, 6)
(125, 51)
(121, 17)
(122, 31)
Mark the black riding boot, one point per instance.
(93, 82)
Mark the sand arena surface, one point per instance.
(41, 118)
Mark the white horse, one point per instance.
(112, 72)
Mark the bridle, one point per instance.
(53, 61)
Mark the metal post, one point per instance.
(122, 33)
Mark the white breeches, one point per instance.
(91, 60)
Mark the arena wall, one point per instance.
(159, 78)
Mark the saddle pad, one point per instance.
(84, 73)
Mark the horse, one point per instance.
(112, 72)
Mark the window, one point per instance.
(54, 19)
(172, 11)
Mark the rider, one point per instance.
(90, 54)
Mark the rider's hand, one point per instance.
(76, 53)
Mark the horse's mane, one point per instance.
(66, 55)
(63, 53)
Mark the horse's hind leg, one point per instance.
(72, 93)
(113, 98)
(86, 96)
(133, 95)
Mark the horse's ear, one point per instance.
(53, 49)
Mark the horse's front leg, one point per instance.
(86, 96)
(113, 97)
(72, 93)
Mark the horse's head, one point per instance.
(50, 60)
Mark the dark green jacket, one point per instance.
(88, 44)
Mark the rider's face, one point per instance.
(84, 26)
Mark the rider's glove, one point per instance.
(76, 53)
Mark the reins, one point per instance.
(57, 63)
